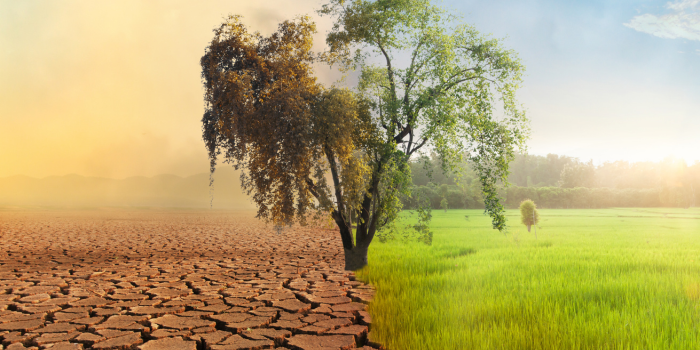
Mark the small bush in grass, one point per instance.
(444, 204)
(528, 213)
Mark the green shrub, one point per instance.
(528, 213)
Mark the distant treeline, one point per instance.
(553, 197)
(555, 181)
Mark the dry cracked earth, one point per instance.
(130, 279)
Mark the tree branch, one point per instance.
(336, 180)
(371, 228)
(436, 92)
(371, 198)
(409, 75)
(420, 66)
(425, 139)
(399, 138)
(392, 83)
(312, 188)
(339, 213)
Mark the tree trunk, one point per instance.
(528, 228)
(355, 255)
(355, 258)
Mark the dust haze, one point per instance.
(163, 191)
(113, 89)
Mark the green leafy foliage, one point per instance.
(444, 97)
(528, 213)
(577, 175)
(444, 204)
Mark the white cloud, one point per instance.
(683, 4)
(683, 22)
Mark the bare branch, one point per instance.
(418, 146)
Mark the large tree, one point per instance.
(425, 84)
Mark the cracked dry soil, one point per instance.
(144, 279)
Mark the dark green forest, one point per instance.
(555, 181)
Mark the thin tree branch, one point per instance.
(418, 146)
(409, 75)
(410, 141)
(312, 188)
(392, 83)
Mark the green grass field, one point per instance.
(593, 279)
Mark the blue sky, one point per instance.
(605, 80)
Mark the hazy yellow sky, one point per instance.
(111, 88)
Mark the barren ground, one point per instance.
(121, 279)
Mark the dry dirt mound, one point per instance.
(123, 279)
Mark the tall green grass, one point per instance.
(594, 279)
